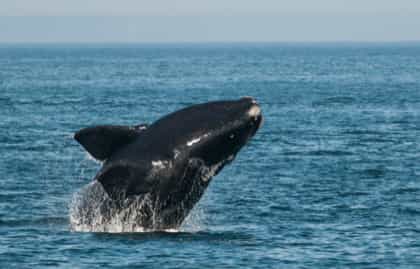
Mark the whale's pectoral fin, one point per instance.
(121, 181)
(102, 141)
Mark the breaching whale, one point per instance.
(171, 162)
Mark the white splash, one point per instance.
(91, 210)
(195, 221)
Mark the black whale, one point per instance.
(170, 162)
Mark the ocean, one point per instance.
(331, 180)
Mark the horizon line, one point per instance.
(117, 42)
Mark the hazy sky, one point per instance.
(210, 20)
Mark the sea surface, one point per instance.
(331, 180)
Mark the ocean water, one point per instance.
(331, 180)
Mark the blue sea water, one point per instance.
(332, 180)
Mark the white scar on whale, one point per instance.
(196, 140)
(192, 142)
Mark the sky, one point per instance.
(208, 20)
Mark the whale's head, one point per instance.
(214, 131)
(226, 127)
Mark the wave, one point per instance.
(34, 222)
(335, 100)
(318, 153)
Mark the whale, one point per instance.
(161, 170)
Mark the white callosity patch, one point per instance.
(254, 111)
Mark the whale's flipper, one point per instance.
(121, 181)
(102, 141)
